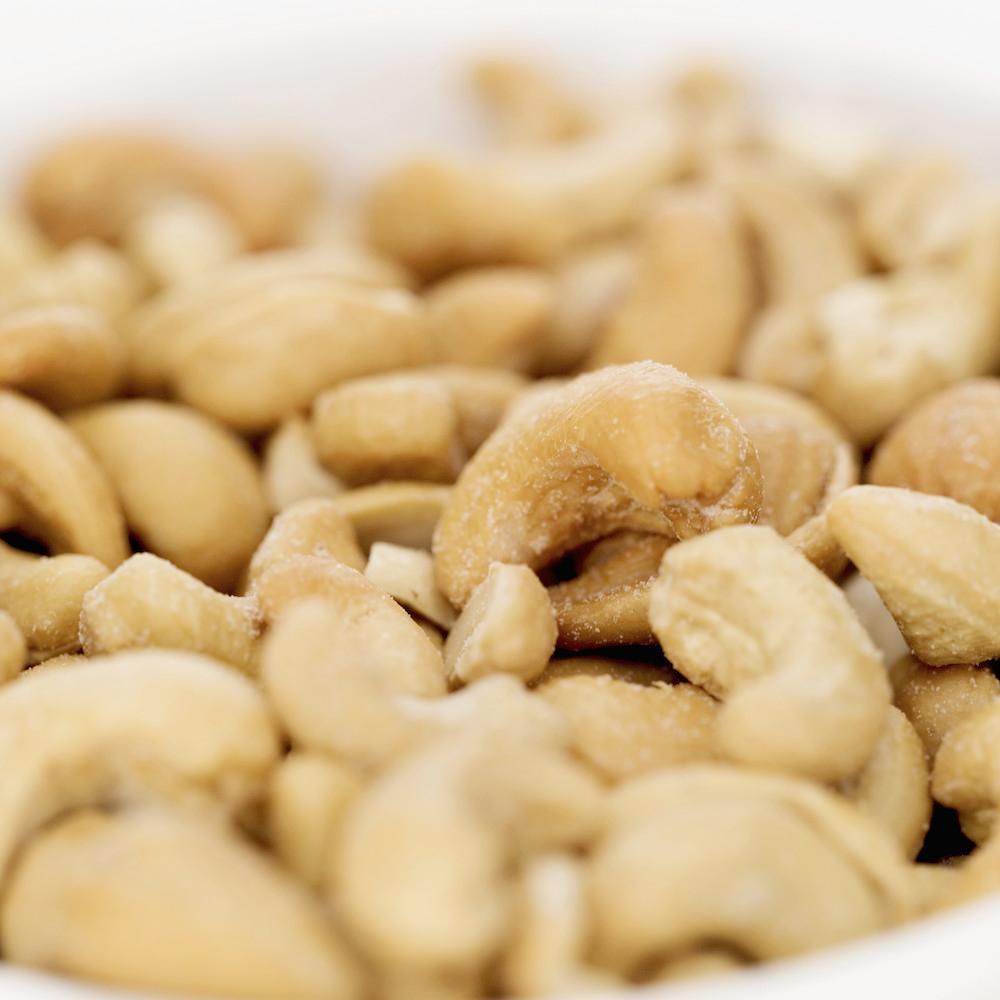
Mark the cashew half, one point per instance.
(400, 513)
(291, 470)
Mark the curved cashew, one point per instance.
(136, 705)
(935, 564)
(190, 490)
(730, 830)
(809, 697)
(507, 626)
(492, 316)
(692, 293)
(60, 487)
(149, 899)
(44, 596)
(291, 470)
(13, 648)
(949, 445)
(638, 446)
(148, 601)
(400, 513)
(61, 354)
(628, 718)
(407, 575)
(22, 246)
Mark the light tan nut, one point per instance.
(607, 603)
(137, 707)
(783, 347)
(482, 397)
(190, 489)
(22, 246)
(148, 601)
(408, 576)
(893, 788)
(437, 213)
(808, 695)
(806, 241)
(292, 471)
(949, 445)
(590, 284)
(493, 317)
(805, 461)
(63, 492)
(699, 964)
(913, 210)
(691, 297)
(527, 104)
(63, 355)
(44, 596)
(936, 699)
(631, 447)
(308, 798)
(13, 648)
(181, 237)
(796, 843)
(401, 513)
(966, 776)
(629, 718)
(934, 562)
(432, 632)
(154, 900)
(877, 622)
(936, 885)
(507, 626)
(978, 876)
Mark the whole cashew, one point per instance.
(135, 704)
(638, 446)
(155, 900)
(808, 696)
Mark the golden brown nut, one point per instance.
(632, 447)
(190, 489)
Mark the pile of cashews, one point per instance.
(575, 566)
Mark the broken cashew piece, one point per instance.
(400, 513)
(291, 470)
(632, 447)
(407, 575)
(809, 697)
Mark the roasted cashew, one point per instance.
(291, 470)
(13, 648)
(632, 447)
(62, 490)
(155, 900)
(136, 705)
(22, 246)
(148, 601)
(935, 564)
(407, 575)
(190, 490)
(808, 696)
(401, 513)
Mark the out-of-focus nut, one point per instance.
(699, 964)
(632, 447)
(482, 397)
(878, 623)
(22, 246)
(13, 648)
(690, 299)
(507, 626)
(741, 613)
(401, 513)
(408, 576)
(292, 471)
(156, 900)
(190, 489)
(493, 317)
(783, 347)
(934, 562)
(148, 601)
(978, 876)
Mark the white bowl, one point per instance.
(360, 87)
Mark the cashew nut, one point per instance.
(13, 648)
(809, 696)
(400, 513)
(408, 576)
(22, 246)
(291, 471)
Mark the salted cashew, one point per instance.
(530, 206)
(23, 247)
(190, 489)
(148, 601)
(13, 648)
(401, 513)
(729, 830)
(507, 626)
(64, 355)
(628, 718)
(136, 705)
(607, 603)
(692, 293)
(407, 575)
(742, 614)
(631, 447)
(308, 798)
(893, 788)
(805, 461)
(491, 316)
(949, 445)
(936, 699)
(291, 471)
(151, 899)
(44, 596)
(878, 623)
(806, 241)
(934, 562)
(62, 490)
